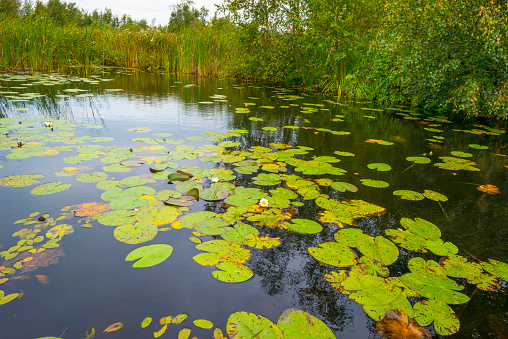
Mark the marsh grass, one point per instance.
(37, 44)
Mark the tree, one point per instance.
(10, 7)
(185, 14)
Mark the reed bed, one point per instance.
(37, 44)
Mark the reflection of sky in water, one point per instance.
(92, 286)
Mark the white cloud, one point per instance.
(150, 9)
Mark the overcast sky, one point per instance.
(148, 9)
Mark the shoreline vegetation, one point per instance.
(450, 56)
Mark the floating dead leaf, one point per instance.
(373, 141)
(489, 189)
(3, 280)
(113, 327)
(396, 325)
(42, 279)
(89, 209)
(42, 259)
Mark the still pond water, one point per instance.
(308, 157)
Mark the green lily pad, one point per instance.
(179, 177)
(139, 129)
(93, 177)
(409, 195)
(221, 251)
(344, 186)
(476, 146)
(264, 179)
(133, 162)
(50, 188)
(418, 160)
(496, 268)
(213, 194)
(192, 219)
(183, 201)
(186, 186)
(59, 231)
(380, 167)
(461, 154)
(378, 248)
(211, 226)
(272, 129)
(239, 233)
(432, 195)
(441, 248)
(116, 168)
(298, 324)
(245, 197)
(20, 180)
(232, 272)
(408, 240)
(244, 325)
(127, 202)
(344, 154)
(140, 232)
(445, 320)
(334, 254)
(374, 183)
(422, 228)
(150, 255)
(117, 218)
(305, 226)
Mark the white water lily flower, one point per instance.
(263, 202)
(48, 124)
(215, 179)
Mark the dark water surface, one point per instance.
(92, 285)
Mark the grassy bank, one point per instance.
(446, 56)
(38, 44)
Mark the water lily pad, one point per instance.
(422, 228)
(50, 188)
(409, 195)
(496, 268)
(221, 251)
(179, 177)
(20, 180)
(149, 255)
(117, 218)
(418, 160)
(378, 248)
(344, 186)
(133, 162)
(254, 240)
(211, 226)
(213, 194)
(116, 168)
(379, 166)
(334, 254)
(445, 320)
(432, 195)
(476, 146)
(461, 154)
(305, 226)
(203, 323)
(140, 232)
(298, 324)
(139, 129)
(183, 201)
(93, 177)
(243, 325)
(232, 272)
(264, 179)
(190, 220)
(374, 183)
